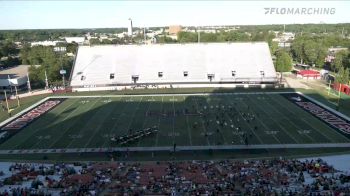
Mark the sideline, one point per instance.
(179, 148)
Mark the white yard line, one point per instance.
(50, 125)
(306, 122)
(98, 128)
(251, 129)
(133, 114)
(201, 119)
(188, 127)
(145, 120)
(65, 131)
(285, 131)
(291, 122)
(173, 120)
(45, 127)
(159, 119)
(117, 122)
(232, 131)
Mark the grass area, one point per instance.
(185, 120)
(91, 124)
(321, 94)
(24, 103)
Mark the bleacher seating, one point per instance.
(173, 64)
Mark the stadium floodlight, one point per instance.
(211, 77)
(233, 73)
(135, 78)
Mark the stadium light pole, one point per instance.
(61, 50)
(46, 80)
(9, 81)
(28, 83)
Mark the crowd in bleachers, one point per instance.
(255, 177)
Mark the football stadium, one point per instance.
(258, 120)
(205, 98)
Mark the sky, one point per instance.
(111, 14)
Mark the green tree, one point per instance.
(165, 39)
(311, 51)
(106, 41)
(8, 48)
(94, 41)
(208, 37)
(24, 54)
(297, 49)
(341, 60)
(72, 47)
(343, 76)
(186, 37)
(273, 47)
(283, 61)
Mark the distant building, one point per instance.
(15, 76)
(78, 40)
(284, 44)
(206, 30)
(283, 39)
(174, 29)
(331, 53)
(45, 43)
(336, 49)
(130, 28)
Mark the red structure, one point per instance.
(342, 88)
(309, 74)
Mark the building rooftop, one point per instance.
(14, 72)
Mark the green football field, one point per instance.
(184, 120)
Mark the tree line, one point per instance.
(310, 46)
(312, 49)
(44, 59)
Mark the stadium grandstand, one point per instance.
(116, 67)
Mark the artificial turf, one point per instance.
(184, 120)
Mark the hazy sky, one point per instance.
(99, 14)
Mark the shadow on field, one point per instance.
(184, 120)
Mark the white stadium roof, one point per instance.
(228, 62)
